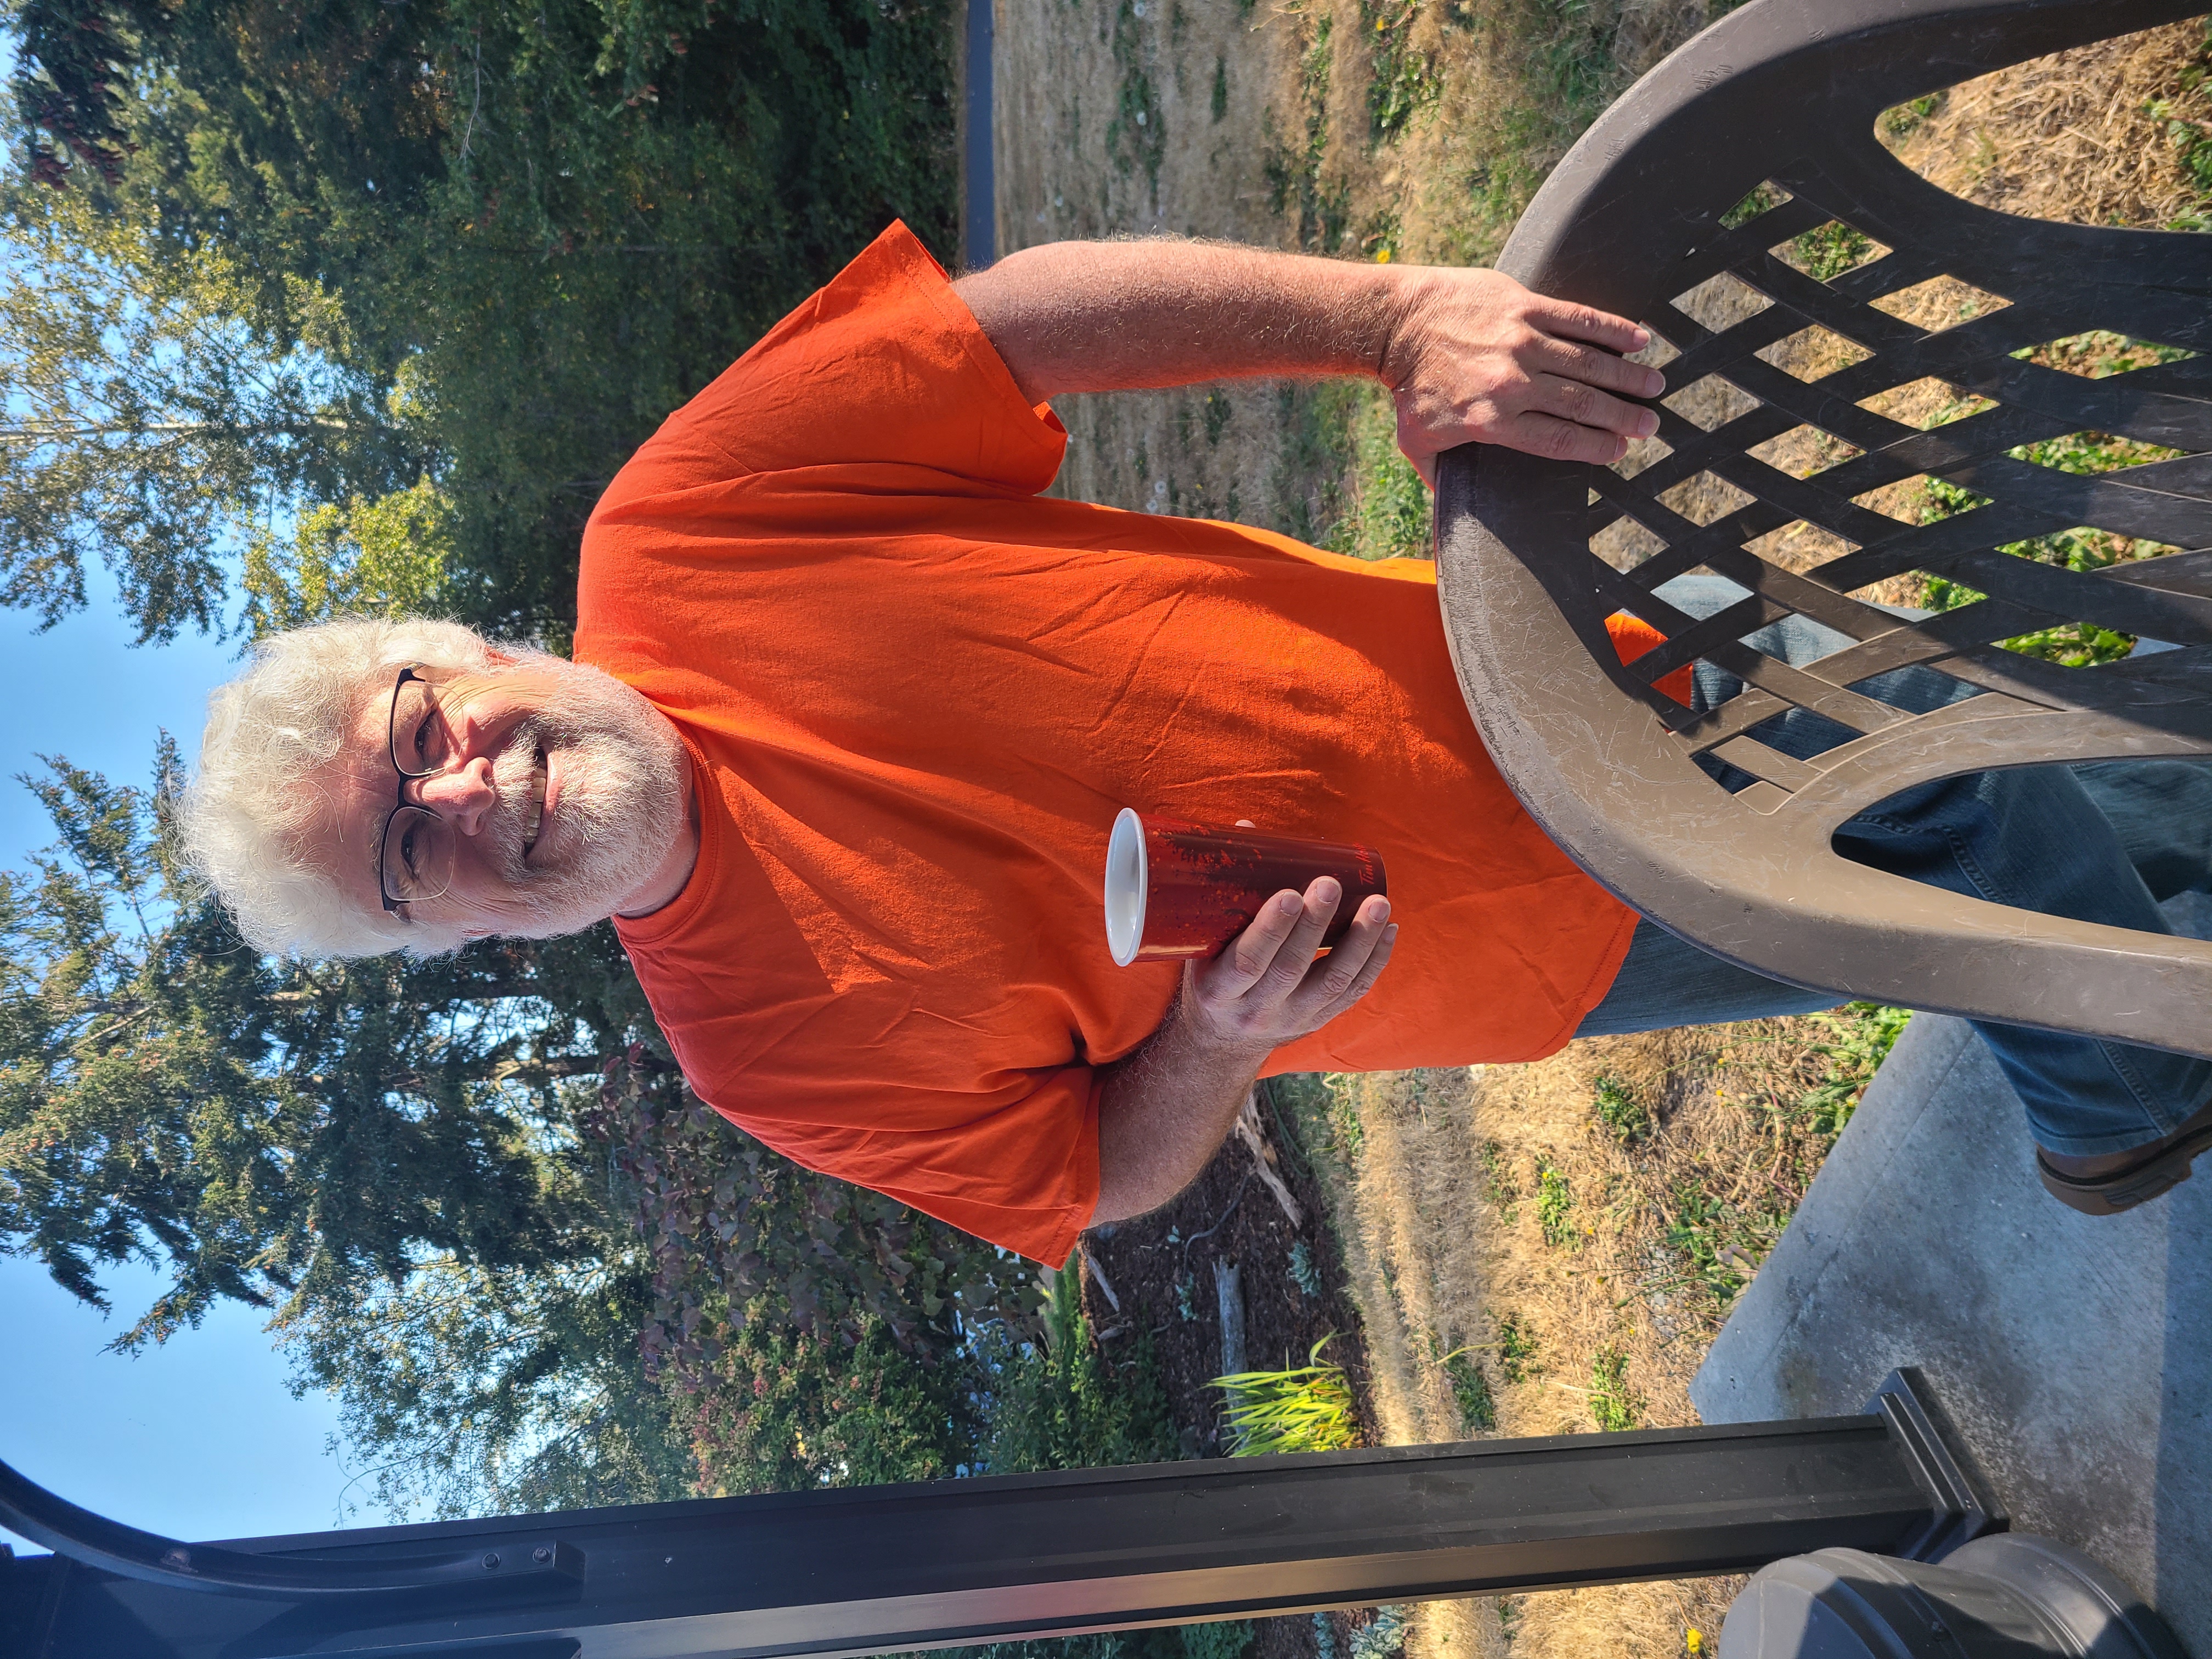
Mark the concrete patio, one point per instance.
(2075, 1354)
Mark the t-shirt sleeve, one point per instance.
(1023, 1175)
(882, 381)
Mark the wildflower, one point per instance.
(1382, 255)
(1694, 1639)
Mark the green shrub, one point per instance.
(1058, 1404)
(1224, 1639)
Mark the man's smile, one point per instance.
(541, 798)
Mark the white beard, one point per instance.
(621, 806)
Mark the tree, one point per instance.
(544, 227)
(262, 1131)
(147, 422)
(474, 1390)
(380, 297)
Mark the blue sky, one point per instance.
(198, 1438)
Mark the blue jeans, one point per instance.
(2106, 842)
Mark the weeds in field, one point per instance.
(1389, 513)
(1470, 1389)
(1723, 1243)
(1404, 79)
(1135, 134)
(1345, 1131)
(1897, 123)
(2085, 454)
(1498, 1185)
(1826, 251)
(1865, 1032)
(1302, 1409)
(1517, 1348)
(1555, 1205)
(1294, 174)
(2191, 135)
(1613, 1405)
(1620, 1112)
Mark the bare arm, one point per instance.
(1468, 356)
(1168, 1105)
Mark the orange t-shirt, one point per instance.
(917, 692)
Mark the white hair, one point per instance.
(247, 818)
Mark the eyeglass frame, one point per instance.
(393, 906)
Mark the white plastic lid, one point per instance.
(1125, 887)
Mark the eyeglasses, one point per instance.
(414, 857)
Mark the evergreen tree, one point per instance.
(414, 282)
(544, 227)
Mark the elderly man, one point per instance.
(854, 706)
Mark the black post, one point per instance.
(875, 1569)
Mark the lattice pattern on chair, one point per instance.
(1660, 213)
(2167, 599)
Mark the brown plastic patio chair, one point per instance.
(1664, 195)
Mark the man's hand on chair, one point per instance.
(1476, 358)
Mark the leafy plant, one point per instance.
(1404, 79)
(1902, 119)
(1722, 1242)
(2187, 117)
(1620, 1112)
(1517, 1348)
(1470, 1389)
(1224, 1638)
(1381, 1635)
(1391, 510)
(2097, 355)
(1302, 1409)
(1613, 1405)
(1302, 1271)
(1056, 1403)
(1864, 1033)
(1826, 251)
(1555, 1204)
(1762, 199)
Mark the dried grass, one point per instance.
(1445, 1246)
(2069, 136)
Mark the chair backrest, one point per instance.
(1759, 131)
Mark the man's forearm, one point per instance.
(1166, 1108)
(1072, 317)
(1470, 357)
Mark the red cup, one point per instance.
(1177, 890)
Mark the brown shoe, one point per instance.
(2106, 1183)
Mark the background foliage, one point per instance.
(354, 308)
